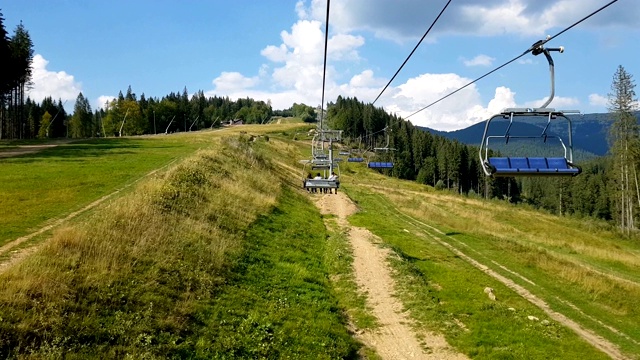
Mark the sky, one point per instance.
(272, 50)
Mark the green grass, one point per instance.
(446, 294)
(279, 302)
(39, 187)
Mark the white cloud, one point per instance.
(301, 10)
(296, 66)
(480, 60)
(101, 102)
(449, 114)
(598, 100)
(365, 79)
(58, 85)
(408, 19)
(452, 113)
(344, 47)
(233, 81)
(275, 53)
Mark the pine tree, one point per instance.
(43, 133)
(5, 76)
(22, 54)
(5, 56)
(625, 146)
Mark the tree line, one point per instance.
(608, 187)
(305, 112)
(129, 114)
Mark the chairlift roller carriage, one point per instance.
(531, 165)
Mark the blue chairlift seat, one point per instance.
(532, 166)
(380, 165)
(355, 159)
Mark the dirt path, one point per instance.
(394, 339)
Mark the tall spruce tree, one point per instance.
(5, 76)
(81, 124)
(5, 56)
(22, 54)
(625, 148)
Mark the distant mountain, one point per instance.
(590, 131)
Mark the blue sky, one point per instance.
(272, 50)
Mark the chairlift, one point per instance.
(356, 153)
(385, 149)
(511, 166)
(322, 159)
(322, 183)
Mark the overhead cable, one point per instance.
(412, 51)
(324, 70)
(536, 45)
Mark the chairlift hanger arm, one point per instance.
(538, 48)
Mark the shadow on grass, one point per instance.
(78, 150)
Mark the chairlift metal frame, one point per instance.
(386, 148)
(531, 166)
(358, 158)
(322, 159)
